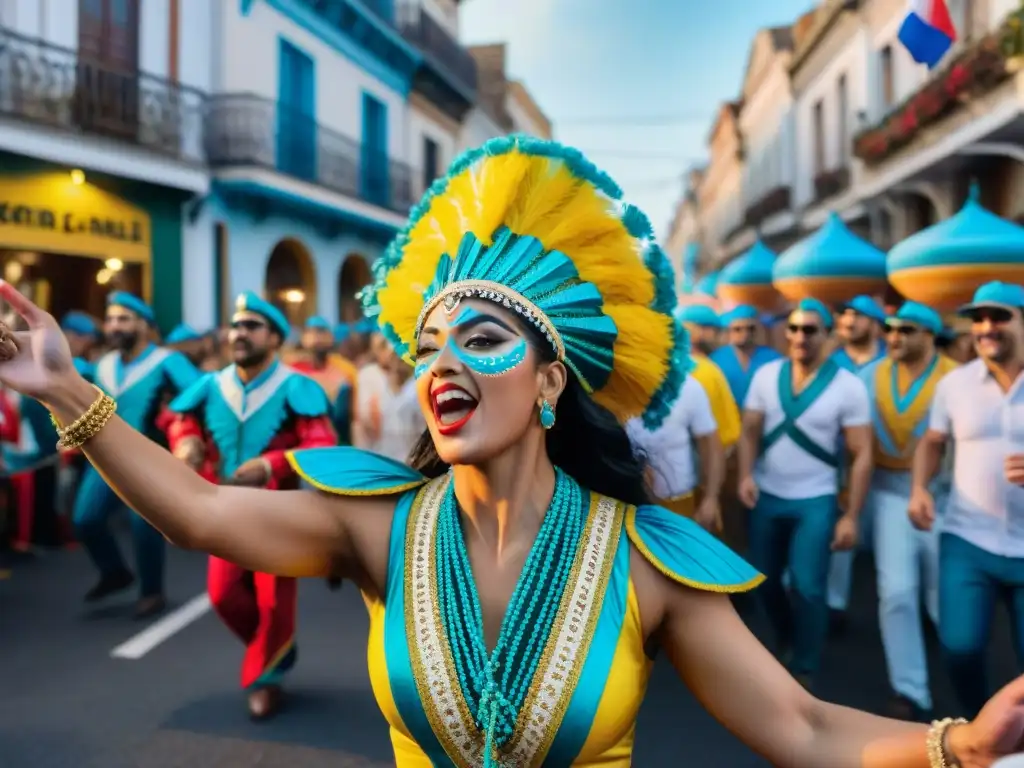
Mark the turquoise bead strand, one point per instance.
(495, 683)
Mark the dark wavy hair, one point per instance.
(587, 442)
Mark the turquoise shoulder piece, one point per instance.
(306, 398)
(684, 552)
(349, 471)
(180, 371)
(194, 396)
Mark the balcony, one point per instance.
(774, 201)
(448, 74)
(243, 130)
(830, 183)
(50, 86)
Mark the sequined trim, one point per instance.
(560, 665)
(389, 490)
(562, 662)
(432, 666)
(496, 292)
(637, 540)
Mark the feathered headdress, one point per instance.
(535, 227)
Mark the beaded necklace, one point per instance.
(495, 683)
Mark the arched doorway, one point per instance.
(921, 213)
(290, 282)
(354, 275)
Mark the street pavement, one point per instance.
(65, 702)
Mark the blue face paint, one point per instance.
(483, 361)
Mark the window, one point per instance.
(222, 304)
(888, 74)
(108, 33)
(843, 118)
(819, 137)
(430, 162)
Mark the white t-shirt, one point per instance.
(786, 470)
(668, 450)
(401, 422)
(986, 425)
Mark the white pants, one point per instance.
(840, 574)
(907, 561)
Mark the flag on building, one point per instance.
(927, 32)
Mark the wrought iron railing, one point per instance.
(248, 130)
(53, 86)
(441, 49)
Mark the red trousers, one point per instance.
(260, 609)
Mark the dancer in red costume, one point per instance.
(234, 427)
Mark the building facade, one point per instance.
(720, 196)
(834, 115)
(308, 146)
(101, 144)
(767, 121)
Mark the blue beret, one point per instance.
(80, 323)
(133, 304)
(250, 302)
(996, 295)
(815, 306)
(919, 314)
(183, 333)
(699, 314)
(866, 306)
(317, 323)
(742, 312)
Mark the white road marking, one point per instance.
(149, 638)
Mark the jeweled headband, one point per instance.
(534, 227)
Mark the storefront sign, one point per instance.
(52, 215)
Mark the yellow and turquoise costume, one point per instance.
(534, 227)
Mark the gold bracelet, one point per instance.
(88, 425)
(938, 753)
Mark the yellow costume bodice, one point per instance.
(610, 741)
(582, 702)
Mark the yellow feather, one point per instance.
(642, 352)
(539, 196)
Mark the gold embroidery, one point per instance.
(898, 425)
(432, 666)
(561, 662)
(558, 672)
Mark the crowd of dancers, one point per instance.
(851, 438)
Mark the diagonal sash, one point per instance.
(795, 405)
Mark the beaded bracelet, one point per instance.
(938, 752)
(88, 425)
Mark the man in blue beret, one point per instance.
(142, 378)
(187, 340)
(742, 355)
(900, 390)
(331, 371)
(860, 329)
(794, 415)
(83, 335)
(979, 410)
(235, 427)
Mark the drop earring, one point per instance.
(547, 414)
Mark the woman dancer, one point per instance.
(517, 581)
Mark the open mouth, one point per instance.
(453, 407)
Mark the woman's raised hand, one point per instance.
(36, 362)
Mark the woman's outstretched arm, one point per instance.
(742, 685)
(287, 533)
(291, 533)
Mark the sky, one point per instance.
(634, 84)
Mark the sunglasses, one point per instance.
(993, 314)
(744, 328)
(806, 330)
(248, 325)
(902, 330)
